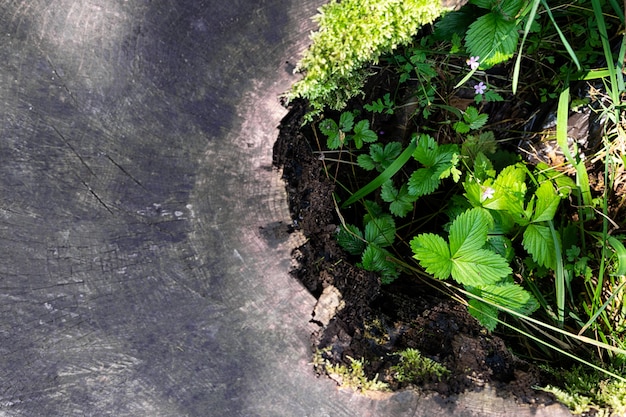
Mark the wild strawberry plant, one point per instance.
(518, 237)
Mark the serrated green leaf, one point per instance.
(508, 9)
(474, 145)
(485, 4)
(433, 254)
(511, 296)
(389, 172)
(546, 204)
(336, 141)
(483, 168)
(378, 260)
(372, 210)
(461, 127)
(426, 151)
(329, 127)
(503, 222)
(346, 121)
(351, 239)
(362, 133)
(375, 107)
(492, 96)
(445, 155)
(468, 232)
(539, 244)
(388, 192)
(380, 157)
(564, 184)
(334, 136)
(474, 119)
(501, 245)
(492, 38)
(473, 191)
(366, 162)
(401, 202)
(452, 25)
(479, 267)
(509, 192)
(380, 231)
(484, 313)
(449, 168)
(470, 114)
(508, 295)
(423, 181)
(389, 154)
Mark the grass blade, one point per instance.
(518, 60)
(582, 177)
(563, 332)
(566, 44)
(384, 176)
(601, 309)
(560, 278)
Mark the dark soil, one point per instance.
(376, 320)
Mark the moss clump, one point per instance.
(586, 391)
(351, 35)
(352, 376)
(415, 368)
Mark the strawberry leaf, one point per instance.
(511, 296)
(539, 243)
(433, 254)
(346, 121)
(362, 133)
(486, 314)
(426, 151)
(479, 267)
(493, 38)
(546, 204)
(468, 232)
(351, 239)
(378, 260)
(380, 231)
(401, 202)
(423, 181)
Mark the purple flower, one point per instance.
(480, 88)
(473, 62)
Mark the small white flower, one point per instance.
(487, 193)
(473, 62)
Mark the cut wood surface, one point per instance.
(144, 254)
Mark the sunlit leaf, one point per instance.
(492, 38)
(539, 243)
(479, 267)
(433, 254)
(546, 204)
(468, 232)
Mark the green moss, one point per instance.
(351, 376)
(584, 391)
(351, 35)
(415, 368)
